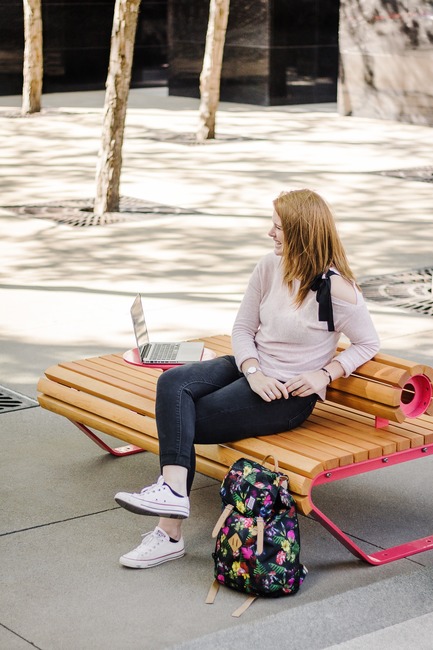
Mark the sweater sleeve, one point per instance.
(354, 321)
(247, 321)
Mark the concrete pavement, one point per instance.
(65, 293)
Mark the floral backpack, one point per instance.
(257, 535)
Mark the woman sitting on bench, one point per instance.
(299, 299)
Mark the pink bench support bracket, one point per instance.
(125, 450)
(387, 555)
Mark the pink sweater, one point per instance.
(288, 341)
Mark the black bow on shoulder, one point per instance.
(322, 286)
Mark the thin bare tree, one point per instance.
(210, 77)
(116, 98)
(33, 57)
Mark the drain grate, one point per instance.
(80, 212)
(10, 400)
(423, 174)
(412, 290)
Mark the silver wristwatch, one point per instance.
(251, 370)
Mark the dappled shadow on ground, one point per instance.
(193, 262)
(192, 253)
(24, 361)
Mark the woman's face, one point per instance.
(276, 232)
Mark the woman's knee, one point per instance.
(171, 376)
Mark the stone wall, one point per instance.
(386, 60)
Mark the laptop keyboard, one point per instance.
(164, 352)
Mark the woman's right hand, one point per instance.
(267, 388)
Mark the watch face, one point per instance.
(252, 370)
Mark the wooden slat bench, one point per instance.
(367, 423)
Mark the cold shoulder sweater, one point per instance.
(288, 340)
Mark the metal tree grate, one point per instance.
(80, 212)
(412, 290)
(423, 174)
(10, 400)
(190, 139)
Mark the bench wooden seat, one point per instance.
(361, 427)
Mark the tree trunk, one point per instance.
(116, 99)
(33, 58)
(210, 77)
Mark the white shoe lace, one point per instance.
(152, 488)
(150, 541)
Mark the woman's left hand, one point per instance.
(307, 384)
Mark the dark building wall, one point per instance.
(276, 51)
(246, 51)
(76, 35)
(304, 51)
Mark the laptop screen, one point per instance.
(139, 323)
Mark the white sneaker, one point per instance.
(157, 499)
(156, 548)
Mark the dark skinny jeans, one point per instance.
(211, 402)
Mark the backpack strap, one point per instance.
(210, 598)
(260, 534)
(275, 459)
(223, 516)
(243, 608)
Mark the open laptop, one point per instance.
(161, 353)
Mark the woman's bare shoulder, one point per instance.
(343, 289)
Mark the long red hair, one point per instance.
(311, 241)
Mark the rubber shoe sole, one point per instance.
(148, 564)
(139, 506)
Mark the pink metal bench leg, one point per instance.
(387, 555)
(125, 450)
